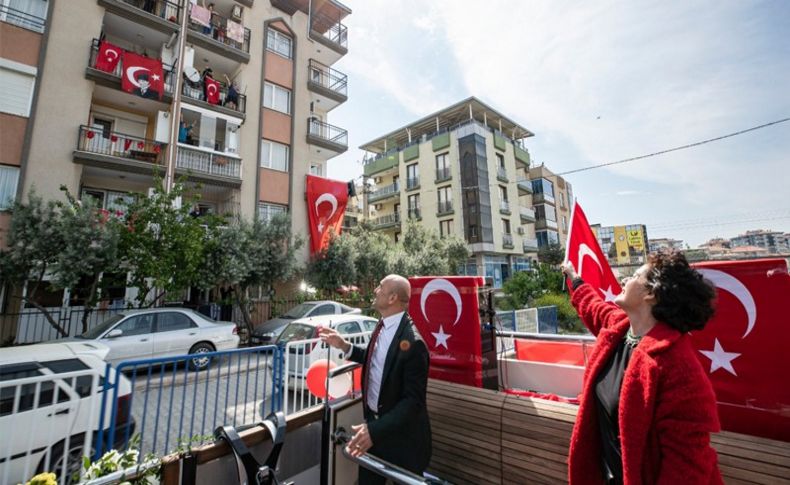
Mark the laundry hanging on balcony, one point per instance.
(108, 56)
(142, 76)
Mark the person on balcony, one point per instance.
(647, 405)
(232, 98)
(394, 385)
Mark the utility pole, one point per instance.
(365, 192)
(175, 108)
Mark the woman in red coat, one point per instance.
(647, 407)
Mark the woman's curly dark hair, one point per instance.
(684, 299)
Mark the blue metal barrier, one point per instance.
(232, 390)
(547, 319)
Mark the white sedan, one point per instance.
(163, 332)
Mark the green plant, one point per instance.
(114, 461)
(567, 319)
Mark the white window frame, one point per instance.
(267, 151)
(267, 210)
(20, 70)
(448, 224)
(10, 176)
(316, 169)
(270, 91)
(277, 37)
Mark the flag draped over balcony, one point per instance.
(583, 251)
(108, 56)
(142, 76)
(326, 205)
(212, 90)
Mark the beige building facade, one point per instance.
(552, 198)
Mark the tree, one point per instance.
(371, 261)
(552, 254)
(334, 266)
(525, 286)
(422, 253)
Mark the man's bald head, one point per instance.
(392, 295)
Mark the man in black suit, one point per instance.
(394, 382)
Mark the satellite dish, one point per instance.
(192, 74)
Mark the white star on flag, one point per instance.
(441, 337)
(719, 359)
(320, 227)
(607, 293)
(155, 77)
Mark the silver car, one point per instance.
(163, 332)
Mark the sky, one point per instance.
(597, 82)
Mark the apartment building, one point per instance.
(623, 245)
(774, 241)
(552, 198)
(233, 96)
(463, 170)
(665, 243)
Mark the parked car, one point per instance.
(39, 413)
(355, 328)
(163, 332)
(268, 331)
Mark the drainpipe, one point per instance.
(175, 112)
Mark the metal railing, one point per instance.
(327, 132)
(384, 192)
(527, 213)
(160, 8)
(386, 220)
(529, 244)
(218, 32)
(525, 184)
(328, 78)
(205, 162)
(22, 19)
(443, 174)
(504, 206)
(412, 183)
(112, 143)
(197, 91)
(33, 327)
(444, 207)
(172, 404)
(507, 240)
(118, 71)
(332, 31)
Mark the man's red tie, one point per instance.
(369, 357)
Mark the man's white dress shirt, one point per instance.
(379, 356)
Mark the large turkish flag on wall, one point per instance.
(744, 347)
(445, 311)
(583, 251)
(142, 76)
(326, 204)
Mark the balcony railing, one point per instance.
(197, 91)
(529, 244)
(507, 240)
(445, 207)
(524, 185)
(334, 32)
(22, 19)
(209, 163)
(161, 8)
(118, 71)
(501, 174)
(384, 192)
(327, 132)
(328, 78)
(527, 214)
(412, 183)
(414, 213)
(218, 32)
(114, 144)
(388, 220)
(443, 174)
(504, 206)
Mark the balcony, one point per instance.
(327, 136)
(118, 151)
(412, 183)
(545, 224)
(507, 241)
(524, 186)
(195, 91)
(22, 19)
(541, 198)
(529, 245)
(392, 190)
(161, 15)
(113, 79)
(288, 6)
(329, 86)
(504, 207)
(445, 207)
(501, 174)
(443, 174)
(217, 39)
(414, 213)
(383, 222)
(330, 33)
(526, 214)
(209, 166)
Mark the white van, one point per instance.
(50, 396)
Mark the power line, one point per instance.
(715, 224)
(737, 217)
(683, 147)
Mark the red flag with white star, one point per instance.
(744, 346)
(445, 312)
(326, 204)
(142, 76)
(583, 251)
(108, 56)
(212, 90)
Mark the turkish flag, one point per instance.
(445, 311)
(583, 251)
(142, 76)
(326, 204)
(212, 90)
(744, 346)
(108, 56)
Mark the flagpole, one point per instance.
(570, 230)
(175, 113)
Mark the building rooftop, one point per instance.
(444, 120)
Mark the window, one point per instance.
(9, 177)
(323, 310)
(414, 206)
(267, 211)
(445, 199)
(564, 224)
(348, 328)
(370, 325)
(29, 14)
(170, 321)
(82, 384)
(279, 43)
(412, 176)
(138, 325)
(472, 231)
(500, 161)
(274, 155)
(506, 226)
(442, 166)
(317, 169)
(294, 332)
(276, 98)
(503, 193)
(17, 81)
(27, 392)
(445, 227)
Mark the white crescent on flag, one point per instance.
(326, 197)
(212, 88)
(441, 284)
(111, 54)
(130, 74)
(732, 285)
(584, 250)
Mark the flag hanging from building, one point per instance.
(200, 15)
(743, 347)
(212, 90)
(108, 56)
(142, 76)
(583, 251)
(445, 310)
(326, 204)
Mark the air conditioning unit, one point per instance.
(520, 230)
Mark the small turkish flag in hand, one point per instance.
(587, 258)
(212, 90)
